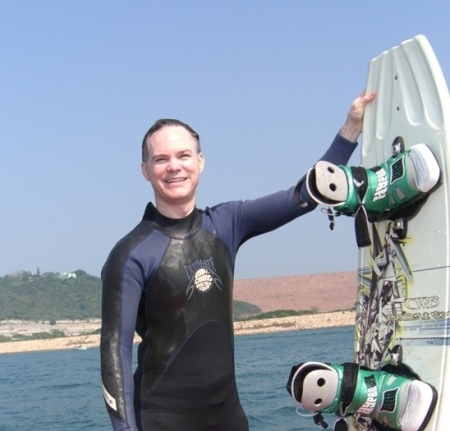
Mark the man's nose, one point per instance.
(174, 164)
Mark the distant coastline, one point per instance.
(81, 341)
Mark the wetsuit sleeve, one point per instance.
(270, 212)
(339, 151)
(122, 287)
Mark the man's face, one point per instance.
(173, 168)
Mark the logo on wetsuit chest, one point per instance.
(202, 276)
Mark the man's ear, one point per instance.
(144, 169)
(201, 161)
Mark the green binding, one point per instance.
(397, 402)
(393, 190)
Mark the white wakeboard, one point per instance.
(403, 299)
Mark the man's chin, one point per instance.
(178, 198)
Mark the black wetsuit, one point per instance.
(172, 281)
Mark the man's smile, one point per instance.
(175, 180)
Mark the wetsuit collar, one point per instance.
(176, 228)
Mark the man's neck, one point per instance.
(175, 211)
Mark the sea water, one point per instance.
(61, 390)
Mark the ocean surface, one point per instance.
(61, 390)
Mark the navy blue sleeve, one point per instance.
(254, 217)
(339, 151)
(120, 302)
(124, 277)
(236, 222)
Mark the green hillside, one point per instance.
(54, 296)
(50, 296)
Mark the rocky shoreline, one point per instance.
(76, 340)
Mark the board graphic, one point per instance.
(404, 275)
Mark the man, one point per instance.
(170, 280)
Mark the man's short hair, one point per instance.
(164, 122)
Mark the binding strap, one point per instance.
(349, 383)
(361, 183)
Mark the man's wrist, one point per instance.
(351, 133)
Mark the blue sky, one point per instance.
(267, 84)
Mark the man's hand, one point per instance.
(352, 127)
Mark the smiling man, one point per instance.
(171, 280)
(172, 162)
